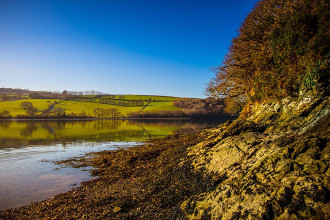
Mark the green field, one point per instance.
(159, 103)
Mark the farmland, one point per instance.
(87, 104)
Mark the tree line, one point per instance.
(101, 113)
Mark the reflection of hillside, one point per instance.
(23, 133)
(125, 135)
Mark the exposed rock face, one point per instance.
(272, 164)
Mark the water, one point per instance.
(29, 148)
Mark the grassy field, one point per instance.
(158, 103)
(15, 108)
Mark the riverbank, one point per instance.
(139, 181)
(86, 119)
(270, 163)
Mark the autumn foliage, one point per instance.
(281, 48)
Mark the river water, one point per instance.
(28, 150)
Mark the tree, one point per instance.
(5, 114)
(121, 97)
(98, 113)
(4, 97)
(32, 111)
(35, 95)
(83, 114)
(276, 52)
(26, 105)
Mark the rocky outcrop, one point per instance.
(270, 163)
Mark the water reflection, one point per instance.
(28, 130)
(107, 124)
(16, 134)
(26, 146)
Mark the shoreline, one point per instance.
(126, 180)
(87, 119)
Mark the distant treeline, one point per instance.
(110, 100)
(9, 94)
(191, 108)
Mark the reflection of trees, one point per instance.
(5, 124)
(57, 125)
(107, 124)
(82, 123)
(146, 131)
(182, 126)
(29, 129)
(157, 122)
(48, 128)
(53, 126)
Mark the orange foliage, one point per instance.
(280, 44)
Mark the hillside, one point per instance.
(38, 105)
(74, 106)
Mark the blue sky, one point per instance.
(151, 47)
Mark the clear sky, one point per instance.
(155, 47)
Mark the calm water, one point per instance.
(29, 148)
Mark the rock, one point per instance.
(116, 209)
(278, 172)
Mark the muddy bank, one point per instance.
(270, 163)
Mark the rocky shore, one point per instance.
(270, 163)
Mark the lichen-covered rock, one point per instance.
(272, 163)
